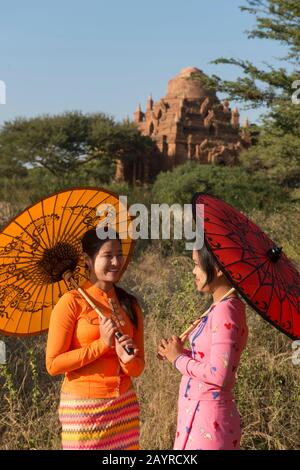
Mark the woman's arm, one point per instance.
(59, 357)
(219, 368)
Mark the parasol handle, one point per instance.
(68, 277)
(193, 325)
(185, 334)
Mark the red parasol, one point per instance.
(255, 266)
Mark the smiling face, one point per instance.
(107, 264)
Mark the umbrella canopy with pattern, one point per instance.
(258, 269)
(43, 242)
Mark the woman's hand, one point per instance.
(170, 348)
(107, 331)
(125, 340)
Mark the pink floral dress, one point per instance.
(208, 418)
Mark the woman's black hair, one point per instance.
(91, 243)
(208, 264)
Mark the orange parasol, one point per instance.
(42, 244)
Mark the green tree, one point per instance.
(236, 185)
(58, 143)
(278, 147)
(70, 145)
(277, 20)
(125, 142)
(277, 151)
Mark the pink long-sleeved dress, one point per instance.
(208, 418)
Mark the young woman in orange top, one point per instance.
(98, 406)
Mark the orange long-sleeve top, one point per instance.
(75, 348)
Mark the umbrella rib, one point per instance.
(18, 252)
(223, 212)
(212, 210)
(16, 262)
(46, 228)
(225, 217)
(27, 263)
(77, 228)
(272, 288)
(53, 223)
(40, 238)
(222, 248)
(280, 281)
(291, 315)
(274, 276)
(256, 269)
(75, 233)
(295, 314)
(32, 313)
(271, 296)
(22, 241)
(18, 259)
(292, 301)
(281, 307)
(217, 225)
(47, 285)
(28, 271)
(56, 237)
(65, 235)
(14, 308)
(238, 242)
(223, 222)
(238, 245)
(260, 286)
(219, 234)
(19, 285)
(282, 284)
(29, 234)
(248, 259)
(94, 194)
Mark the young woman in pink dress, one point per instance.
(208, 418)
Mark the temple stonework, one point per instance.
(190, 123)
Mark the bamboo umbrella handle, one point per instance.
(185, 334)
(68, 277)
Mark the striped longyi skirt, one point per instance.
(100, 423)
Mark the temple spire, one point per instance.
(235, 118)
(149, 106)
(138, 115)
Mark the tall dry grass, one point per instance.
(268, 385)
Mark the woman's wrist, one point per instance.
(177, 357)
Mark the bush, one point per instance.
(236, 185)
